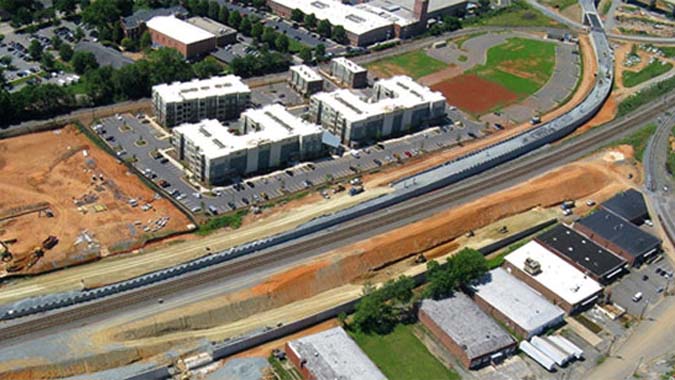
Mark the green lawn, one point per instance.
(518, 14)
(560, 4)
(522, 65)
(401, 356)
(654, 69)
(294, 46)
(639, 140)
(415, 64)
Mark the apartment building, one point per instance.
(348, 73)
(305, 80)
(270, 138)
(400, 105)
(222, 98)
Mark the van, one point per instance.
(213, 210)
(196, 209)
(637, 297)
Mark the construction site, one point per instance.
(65, 202)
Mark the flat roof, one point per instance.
(467, 325)
(556, 275)
(629, 205)
(351, 18)
(211, 26)
(621, 232)
(178, 29)
(349, 65)
(306, 73)
(141, 16)
(434, 5)
(581, 250)
(215, 140)
(333, 355)
(407, 94)
(516, 300)
(397, 15)
(197, 89)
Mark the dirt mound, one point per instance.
(474, 94)
(449, 72)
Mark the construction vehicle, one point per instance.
(355, 190)
(420, 259)
(50, 242)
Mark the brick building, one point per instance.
(172, 32)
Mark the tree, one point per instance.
(207, 68)
(320, 51)
(223, 14)
(79, 34)
(462, 268)
(146, 40)
(297, 15)
(269, 36)
(324, 28)
(234, 19)
(47, 61)
(98, 86)
(380, 309)
(65, 52)
(305, 54)
(35, 50)
(310, 21)
(128, 44)
(168, 65)
(56, 42)
(132, 81)
(83, 61)
(214, 9)
(245, 26)
(203, 8)
(340, 35)
(256, 31)
(281, 43)
(66, 6)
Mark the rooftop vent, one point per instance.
(532, 267)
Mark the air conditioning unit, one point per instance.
(532, 267)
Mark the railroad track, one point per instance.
(516, 169)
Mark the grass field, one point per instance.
(401, 356)
(521, 65)
(518, 14)
(560, 4)
(638, 140)
(415, 64)
(653, 70)
(295, 46)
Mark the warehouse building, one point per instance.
(305, 80)
(348, 73)
(134, 25)
(629, 205)
(425, 9)
(224, 34)
(172, 32)
(580, 251)
(619, 236)
(400, 105)
(515, 304)
(363, 28)
(331, 355)
(222, 98)
(466, 331)
(553, 277)
(271, 138)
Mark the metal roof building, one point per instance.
(466, 331)
(583, 253)
(619, 235)
(629, 205)
(552, 276)
(331, 355)
(515, 304)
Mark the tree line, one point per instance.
(396, 301)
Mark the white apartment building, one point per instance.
(348, 73)
(222, 98)
(305, 80)
(271, 138)
(400, 105)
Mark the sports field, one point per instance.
(513, 71)
(401, 356)
(415, 64)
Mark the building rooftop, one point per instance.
(463, 321)
(516, 300)
(392, 12)
(196, 89)
(581, 250)
(178, 29)
(556, 274)
(333, 355)
(349, 65)
(351, 18)
(629, 205)
(434, 5)
(211, 26)
(407, 94)
(215, 140)
(306, 73)
(620, 232)
(141, 16)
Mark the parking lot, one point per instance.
(652, 284)
(135, 138)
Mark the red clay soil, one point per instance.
(474, 94)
